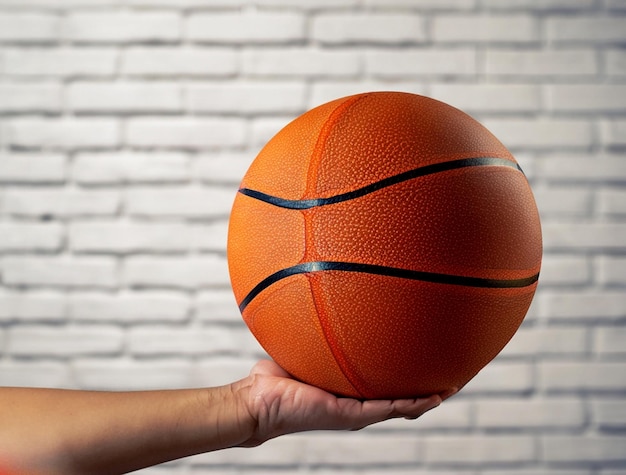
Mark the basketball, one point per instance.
(384, 245)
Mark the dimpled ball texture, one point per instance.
(384, 245)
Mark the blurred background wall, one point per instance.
(126, 125)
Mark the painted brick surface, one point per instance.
(257, 27)
(171, 61)
(126, 125)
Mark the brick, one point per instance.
(599, 98)
(180, 273)
(541, 63)
(428, 62)
(247, 98)
(371, 28)
(65, 133)
(37, 374)
(615, 60)
(130, 167)
(210, 237)
(192, 202)
(586, 29)
(128, 237)
(576, 376)
(560, 270)
(564, 201)
(40, 305)
(363, 450)
(177, 61)
(184, 4)
(612, 270)
(128, 375)
(609, 414)
(609, 341)
(581, 306)
(30, 97)
(60, 62)
(612, 202)
(613, 133)
(557, 341)
(550, 413)
(283, 451)
(221, 370)
(584, 236)
(54, 4)
(246, 344)
(425, 4)
(60, 202)
(326, 91)
(153, 341)
(305, 5)
(552, 470)
(217, 305)
(558, 5)
(129, 307)
(123, 97)
(3, 131)
(186, 133)
(502, 377)
(474, 449)
(118, 27)
(28, 27)
(60, 271)
(32, 168)
(615, 5)
(587, 449)
(514, 28)
(246, 27)
(532, 314)
(587, 168)
(226, 167)
(506, 98)
(300, 62)
(415, 471)
(541, 133)
(64, 341)
(33, 237)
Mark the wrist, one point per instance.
(242, 411)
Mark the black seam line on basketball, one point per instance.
(389, 181)
(433, 277)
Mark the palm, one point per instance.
(282, 405)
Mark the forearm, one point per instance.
(47, 431)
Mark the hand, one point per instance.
(118, 432)
(280, 405)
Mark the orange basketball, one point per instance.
(384, 245)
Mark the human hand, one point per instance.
(278, 405)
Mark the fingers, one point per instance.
(414, 408)
(373, 411)
(378, 411)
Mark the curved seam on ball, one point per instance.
(432, 277)
(312, 173)
(379, 185)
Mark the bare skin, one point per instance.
(52, 431)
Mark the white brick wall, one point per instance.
(125, 126)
